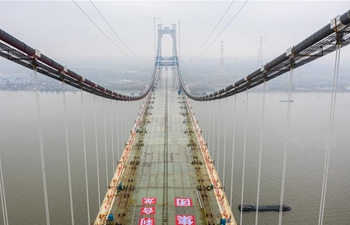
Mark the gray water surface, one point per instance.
(305, 160)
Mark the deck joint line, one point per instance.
(165, 172)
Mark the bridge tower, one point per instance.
(160, 60)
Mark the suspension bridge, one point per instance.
(166, 173)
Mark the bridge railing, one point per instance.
(219, 193)
(109, 199)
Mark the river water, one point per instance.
(308, 135)
(307, 142)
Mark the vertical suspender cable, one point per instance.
(244, 151)
(4, 215)
(126, 124)
(68, 153)
(205, 120)
(330, 134)
(123, 124)
(198, 113)
(3, 197)
(213, 144)
(233, 149)
(201, 115)
(209, 128)
(112, 133)
(192, 104)
(286, 140)
(127, 121)
(131, 121)
(203, 105)
(224, 157)
(118, 143)
(85, 160)
(97, 160)
(218, 150)
(201, 109)
(260, 153)
(133, 118)
(105, 131)
(117, 134)
(42, 157)
(208, 139)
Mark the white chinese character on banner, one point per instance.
(185, 220)
(149, 201)
(146, 221)
(183, 202)
(147, 210)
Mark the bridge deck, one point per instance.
(164, 164)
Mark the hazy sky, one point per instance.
(59, 29)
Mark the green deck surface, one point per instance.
(164, 170)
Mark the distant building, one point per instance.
(14, 79)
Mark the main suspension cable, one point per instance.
(222, 30)
(115, 32)
(213, 29)
(104, 32)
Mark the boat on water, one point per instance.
(286, 101)
(264, 208)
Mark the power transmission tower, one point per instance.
(222, 74)
(261, 41)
